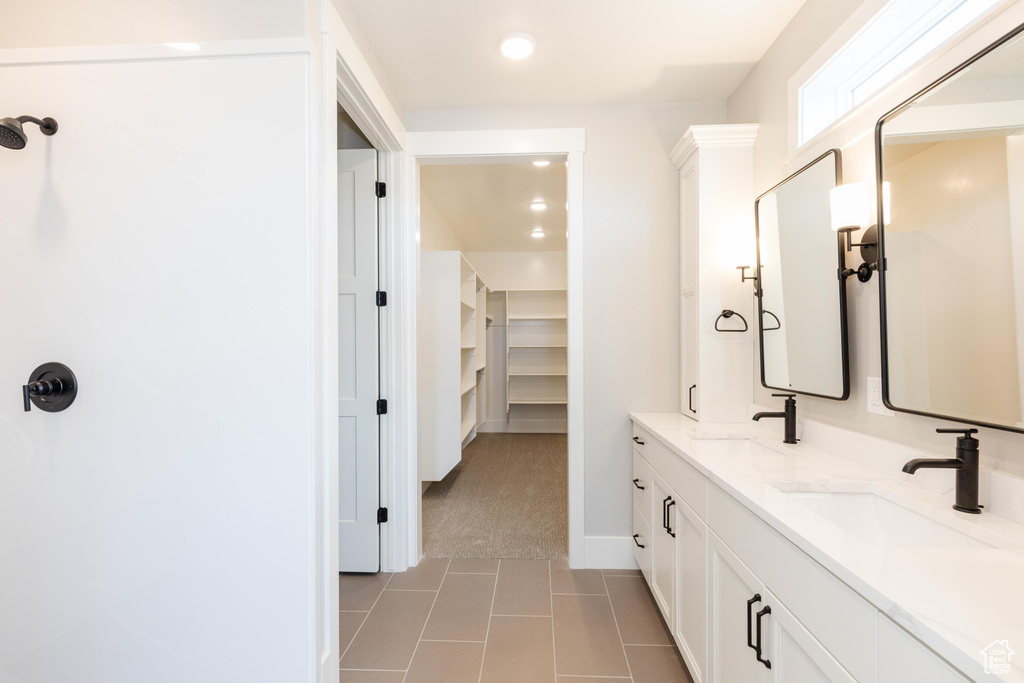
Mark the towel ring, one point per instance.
(728, 314)
(778, 323)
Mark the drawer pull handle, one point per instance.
(767, 610)
(636, 483)
(638, 440)
(668, 527)
(664, 512)
(750, 619)
(638, 543)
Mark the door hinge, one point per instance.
(382, 515)
(382, 298)
(382, 406)
(380, 189)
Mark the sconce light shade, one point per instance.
(850, 207)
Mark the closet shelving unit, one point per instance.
(537, 367)
(452, 355)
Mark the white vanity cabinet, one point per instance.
(718, 572)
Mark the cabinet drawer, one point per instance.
(686, 481)
(843, 621)
(642, 537)
(641, 439)
(641, 485)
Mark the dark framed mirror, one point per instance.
(950, 174)
(801, 299)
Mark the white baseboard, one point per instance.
(524, 427)
(609, 552)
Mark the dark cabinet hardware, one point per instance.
(728, 314)
(51, 387)
(689, 393)
(638, 543)
(788, 414)
(664, 512)
(638, 440)
(636, 483)
(965, 463)
(750, 621)
(668, 527)
(757, 651)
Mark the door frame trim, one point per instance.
(570, 142)
(345, 78)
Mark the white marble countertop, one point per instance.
(955, 600)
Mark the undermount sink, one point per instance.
(879, 521)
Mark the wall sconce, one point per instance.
(851, 212)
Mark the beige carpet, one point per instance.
(508, 498)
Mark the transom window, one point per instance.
(895, 39)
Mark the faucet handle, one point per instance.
(966, 432)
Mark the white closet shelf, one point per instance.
(537, 317)
(538, 401)
(526, 373)
(537, 346)
(466, 388)
(469, 348)
(466, 308)
(467, 427)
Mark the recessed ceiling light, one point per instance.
(537, 234)
(538, 206)
(517, 45)
(541, 163)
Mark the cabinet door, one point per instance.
(690, 405)
(796, 656)
(735, 596)
(691, 590)
(642, 543)
(902, 657)
(663, 552)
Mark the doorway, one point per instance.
(493, 357)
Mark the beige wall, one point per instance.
(435, 233)
(763, 98)
(631, 292)
(503, 270)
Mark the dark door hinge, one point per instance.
(382, 298)
(382, 406)
(380, 189)
(382, 515)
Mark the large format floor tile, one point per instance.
(519, 649)
(446, 662)
(516, 621)
(524, 588)
(463, 608)
(638, 617)
(389, 635)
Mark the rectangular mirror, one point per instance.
(951, 160)
(802, 302)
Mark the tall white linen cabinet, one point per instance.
(716, 212)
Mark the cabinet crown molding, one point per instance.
(720, 135)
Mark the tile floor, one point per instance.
(491, 621)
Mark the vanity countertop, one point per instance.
(956, 600)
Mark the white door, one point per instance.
(692, 590)
(796, 656)
(663, 553)
(736, 598)
(358, 372)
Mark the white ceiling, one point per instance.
(487, 205)
(444, 54)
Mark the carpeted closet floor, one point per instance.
(508, 498)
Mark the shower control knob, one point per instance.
(51, 387)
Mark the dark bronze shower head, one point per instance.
(12, 134)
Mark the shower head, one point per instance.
(12, 134)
